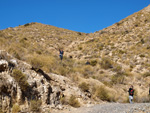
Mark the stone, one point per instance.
(3, 65)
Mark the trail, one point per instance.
(113, 108)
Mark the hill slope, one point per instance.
(118, 55)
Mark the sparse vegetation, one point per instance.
(63, 100)
(74, 102)
(102, 93)
(117, 78)
(146, 74)
(21, 79)
(84, 86)
(15, 108)
(106, 63)
(93, 62)
(1, 111)
(115, 54)
(35, 105)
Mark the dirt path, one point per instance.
(112, 108)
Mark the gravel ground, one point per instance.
(113, 108)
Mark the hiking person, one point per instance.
(149, 89)
(87, 62)
(61, 52)
(131, 93)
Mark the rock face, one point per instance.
(48, 88)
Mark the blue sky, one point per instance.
(78, 15)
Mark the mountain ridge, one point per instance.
(118, 57)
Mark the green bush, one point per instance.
(74, 102)
(21, 79)
(35, 105)
(15, 108)
(84, 86)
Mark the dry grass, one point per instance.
(121, 43)
(15, 108)
(74, 102)
(21, 79)
(35, 106)
(84, 86)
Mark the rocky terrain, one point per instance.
(33, 79)
(49, 88)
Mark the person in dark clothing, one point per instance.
(149, 89)
(61, 52)
(131, 93)
(87, 63)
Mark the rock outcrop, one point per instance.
(49, 88)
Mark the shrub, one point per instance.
(117, 68)
(62, 70)
(80, 48)
(144, 99)
(142, 41)
(118, 23)
(15, 108)
(106, 63)
(146, 74)
(35, 105)
(84, 86)
(74, 102)
(86, 71)
(107, 83)
(36, 63)
(1, 111)
(27, 24)
(79, 33)
(142, 55)
(93, 62)
(21, 79)
(102, 94)
(63, 100)
(122, 51)
(117, 78)
(101, 46)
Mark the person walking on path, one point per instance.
(61, 52)
(149, 89)
(131, 93)
(149, 93)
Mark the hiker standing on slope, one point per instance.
(61, 52)
(131, 93)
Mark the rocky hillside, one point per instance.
(118, 56)
(22, 86)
